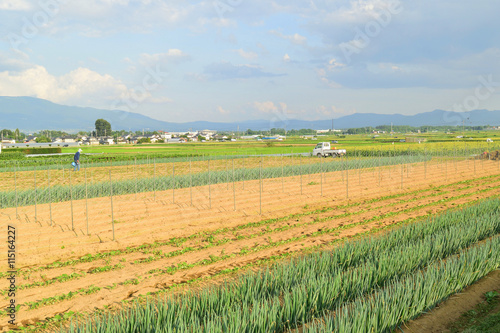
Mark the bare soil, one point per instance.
(216, 228)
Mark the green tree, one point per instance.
(102, 127)
(7, 134)
(42, 138)
(144, 140)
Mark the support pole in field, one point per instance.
(209, 189)
(390, 163)
(482, 160)
(50, 196)
(135, 177)
(373, 158)
(358, 159)
(86, 202)
(300, 169)
(474, 165)
(34, 178)
(467, 155)
(402, 173)
(227, 175)
(321, 170)
(379, 166)
(310, 170)
(111, 200)
(342, 164)
(15, 190)
(455, 158)
(154, 178)
(282, 175)
(173, 182)
(446, 171)
(190, 181)
(71, 198)
(260, 188)
(261, 166)
(234, 190)
(346, 177)
(408, 166)
(425, 163)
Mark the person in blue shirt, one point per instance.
(76, 159)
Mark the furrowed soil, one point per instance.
(71, 257)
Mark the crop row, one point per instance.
(227, 234)
(58, 193)
(158, 255)
(291, 294)
(59, 162)
(181, 266)
(409, 297)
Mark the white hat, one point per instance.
(80, 150)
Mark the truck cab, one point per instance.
(323, 149)
(322, 145)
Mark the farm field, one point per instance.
(69, 262)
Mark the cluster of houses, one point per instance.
(167, 137)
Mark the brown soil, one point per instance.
(262, 226)
(446, 313)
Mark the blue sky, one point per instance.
(233, 60)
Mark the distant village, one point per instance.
(16, 139)
(132, 138)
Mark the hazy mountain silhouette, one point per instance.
(31, 114)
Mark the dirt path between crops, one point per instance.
(446, 313)
(161, 243)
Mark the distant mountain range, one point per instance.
(31, 114)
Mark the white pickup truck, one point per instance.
(323, 149)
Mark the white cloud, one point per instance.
(169, 57)
(78, 87)
(323, 111)
(333, 63)
(15, 61)
(280, 108)
(222, 110)
(266, 107)
(295, 38)
(21, 5)
(246, 55)
(286, 58)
